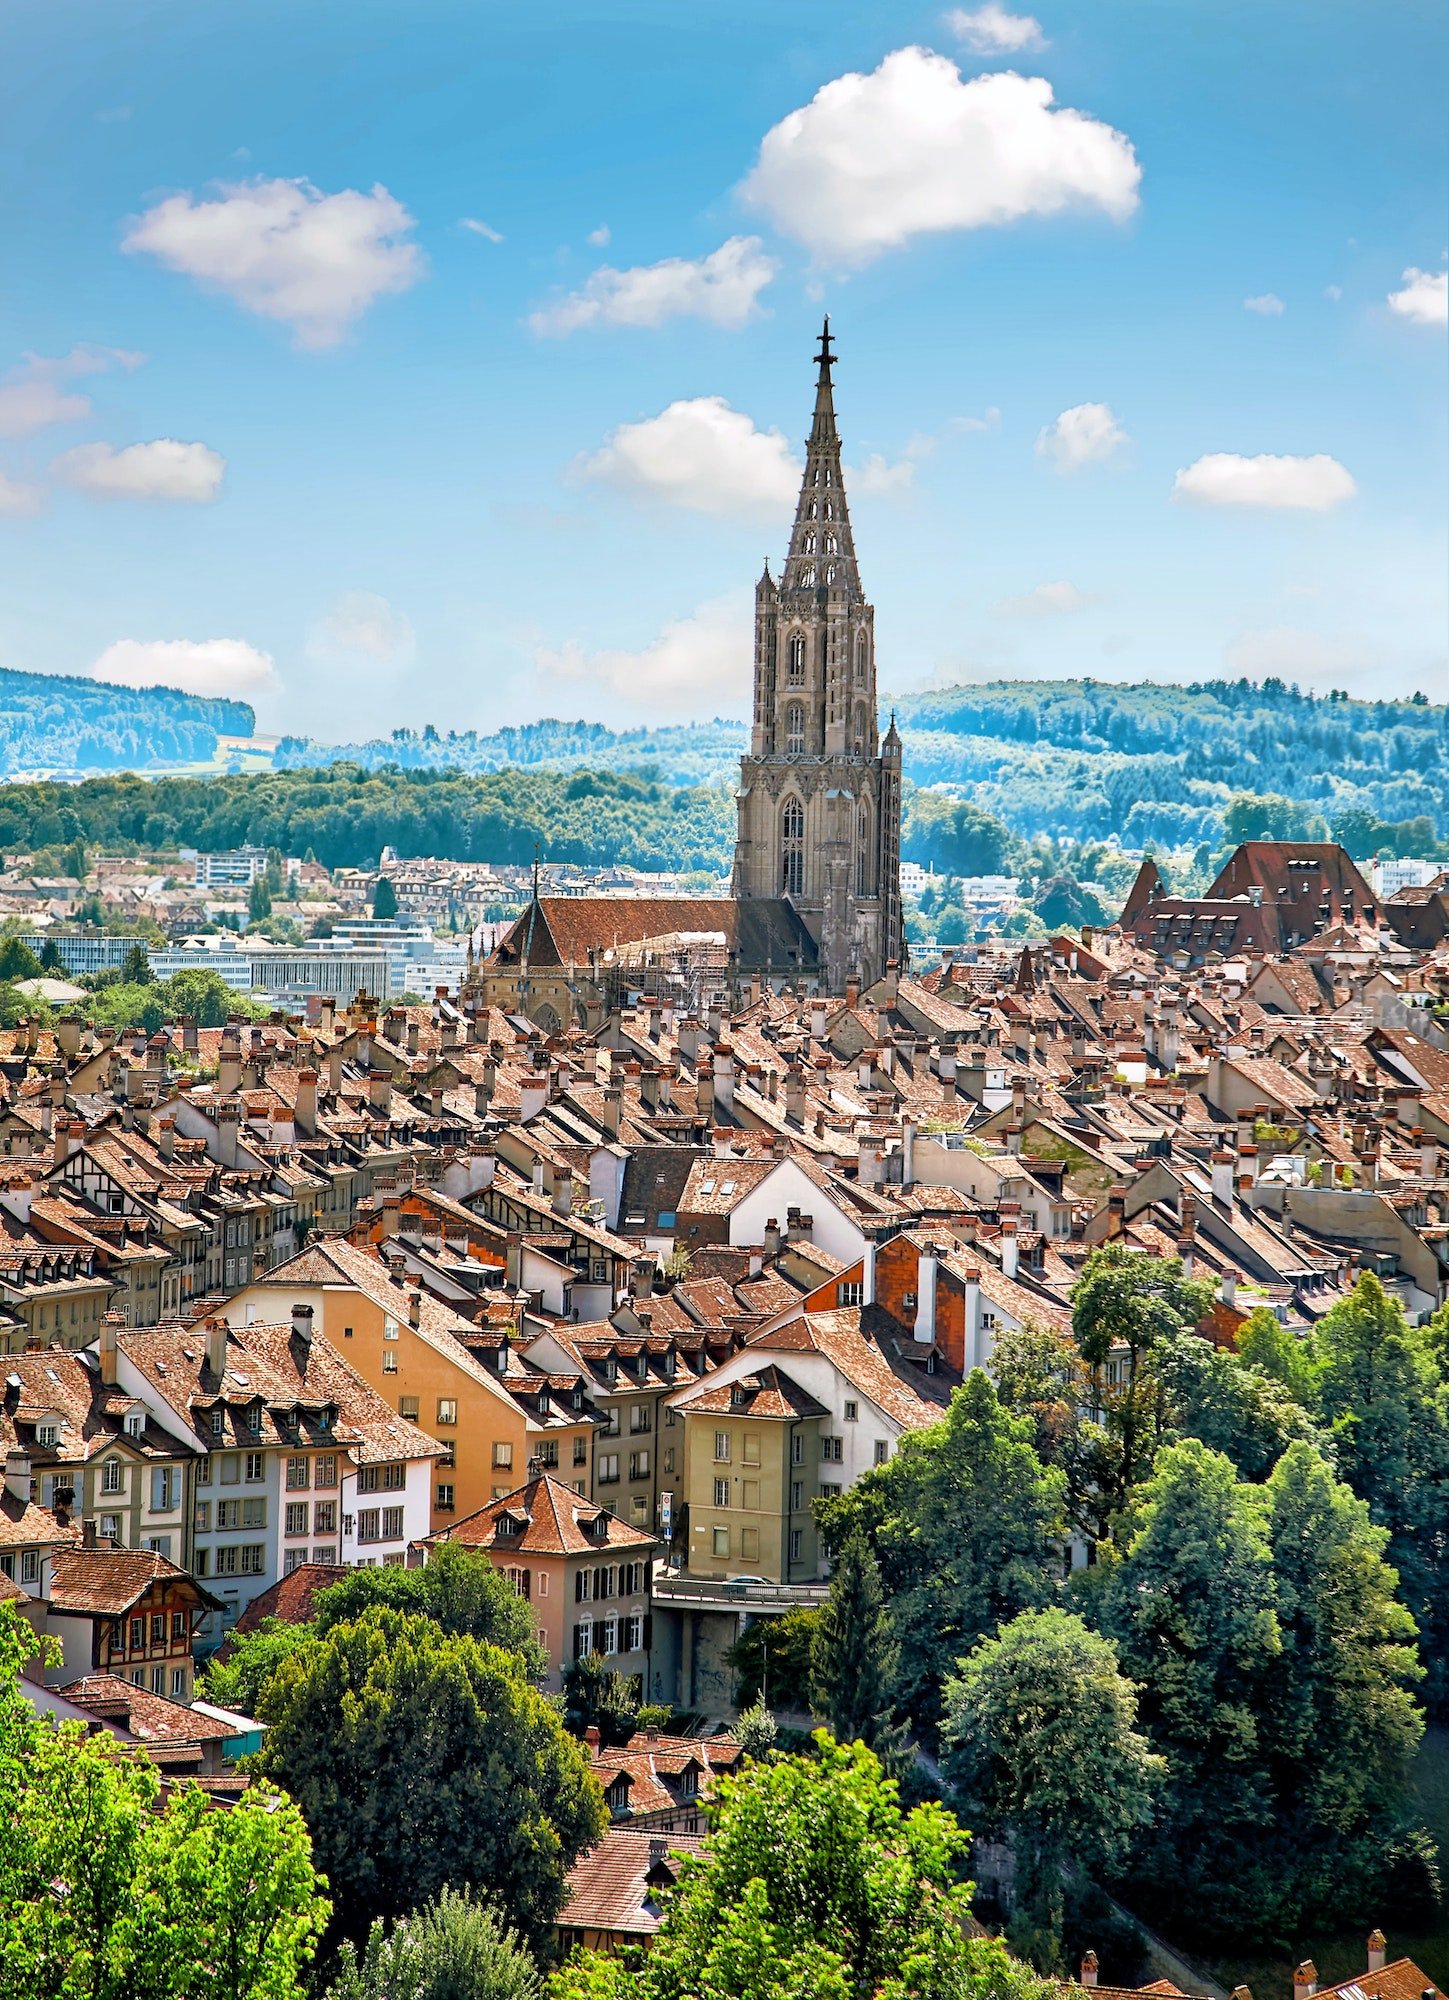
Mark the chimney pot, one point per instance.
(1089, 1968)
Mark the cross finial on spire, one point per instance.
(824, 358)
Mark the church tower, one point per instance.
(820, 794)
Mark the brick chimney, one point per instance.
(1089, 1968)
(106, 1350)
(216, 1332)
(1305, 1980)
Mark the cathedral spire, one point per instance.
(822, 548)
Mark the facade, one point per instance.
(820, 794)
(125, 1612)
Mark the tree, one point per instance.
(1040, 1374)
(136, 968)
(771, 1660)
(455, 1948)
(18, 961)
(854, 1661)
(1264, 1342)
(107, 1893)
(1042, 1744)
(1191, 1606)
(598, 1696)
(756, 1731)
(398, 1738)
(1125, 1300)
(965, 1524)
(814, 1886)
(459, 1589)
(1232, 1406)
(384, 898)
(50, 958)
(259, 900)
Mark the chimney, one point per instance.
(867, 1272)
(563, 1191)
(613, 1105)
(852, 992)
(925, 1328)
(1247, 1166)
(1222, 1171)
(892, 983)
(106, 1347)
(1378, 1951)
(532, 1094)
(391, 1214)
(1089, 1968)
(1305, 1981)
(397, 1266)
(644, 1269)
(772, 1237)
(795, 1095)
(817, 1020)
(704, 1094)
(1228, 1288)
(724, 1076)
(17, 1476)
(228, 1075)
(1187, 1234)
(1116, 1214)
(592, 1736)
(166, 1138)
(305, 1109)
(216, 1332)
(1010, 1250)
(302, 1324)
(68, 1037)
(228, 1123)
(334, 1070)
(379, 1091)
(415, 1307)
(869, 1170)
(908, 1152)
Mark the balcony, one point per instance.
(677, 1588)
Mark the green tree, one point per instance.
(239, 1676)
(772, 1658)
(109, 1893)
(815, 1886)
(18, 961)
(51, 960)
(756, 1731)
(207, 998)
(459, 1589)
(854, 1662)
(398, 1738)
(1234, 1407)
(136, 968)
(1127, 1302)
(455, 1948)
(384, 898)
(1042, 1745)
(1190, 1604)
(259, 900)
(965, 1524)
(598, 1696)
(1264, 1342)
(1040, 1374)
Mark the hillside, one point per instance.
(55, 722)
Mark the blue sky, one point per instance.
(297, 429)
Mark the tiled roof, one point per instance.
(106, 1582)
(150, 1717)
(555, 1520)
(616, 1886)
(766, 1392)
(291, 1598)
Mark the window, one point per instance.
(394, 1478)
(254, 1417)
(632, 1576)
(113, 1477)
(256, 1468)
(502, 1457)
(547, 1453)
(203, 1473)
(325, 1469)
(445, 1496)
(795, 657)
(138, 1633)
(583, 1641)
(608, 1468)
(606, 1636)
(297, 1515)
(447, 1409)
(254, 1514)
(797, 1449)
(226, 1560)
(299, 1473)
(111, 1526)
(178, 1683)
(882, 1451)
(831, 1449)
(852, 1411)
(750, 1495)
(392, 1524)
(583, 1586)
(293, 1559)
(639, 1419)
(158, 1680)
(721, 1541)
(581, 1451)
(722, 1446)
(795, 729)
(407, 1406)
(325, 1555)
(750, 1448)
(218, 1422)
(638, 1465)
(797, 1542)
(324, 1518)
(633, 1635)
(201, 1564)
(797, 1495)
(228, 1513)
(750, 1544)
(792, 828)
(669, 1458)
(829, 1492)
(389, 1329)
(30, 1566)
(851, 1294)
(721, 1493)
(253, 1559)
(367, 1525)
(389, 1361)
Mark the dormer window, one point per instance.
(46, 1434)
(135, 1423)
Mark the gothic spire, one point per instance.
(822, 548)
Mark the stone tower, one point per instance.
(820, 794)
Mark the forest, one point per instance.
(65, 723)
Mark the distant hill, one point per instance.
(61, 723)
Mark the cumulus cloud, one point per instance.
(1424, 299)
(1047, 600)
(38, 394)
(362, 624)
(163, 469)
(882, 476)
(483, 229)
(1267, 303)
(723, 288)
(196, 666)
(287, 251)
(1227, 479)
(872, 161)
(701, 659)
(599, 237)
(1087, 434)
(16, 498)
(702, 454)
(993, 31)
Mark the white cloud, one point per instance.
(34, 396)
(1227, 479)
(1087, 434)
(196, 666)
(702, 454)
(599, 237)
(882, 476)
(873, 161)
(993, 31)
(362, 623)
(16, 498)
(483, 229)
(723, 288)
(163, 469)
(697, 664)
(285, 250)
(989, 420)
(1424, 299)
(1047, 600)
(1267, 303)
(1333, 292)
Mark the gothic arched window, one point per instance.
(859, 730)
(861, 656)
(832, 545)
(795, 729)
(810, 545)
(792, 848)
(862, 853)
(796, 657)
(807, 576)
(830, 572)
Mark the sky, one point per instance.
(450, 361)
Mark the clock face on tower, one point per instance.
(820, 794)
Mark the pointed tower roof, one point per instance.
(822, 548)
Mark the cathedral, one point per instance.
(816, 894)
(820, 794)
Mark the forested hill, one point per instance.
(58, 722)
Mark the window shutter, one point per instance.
(648, 1631)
